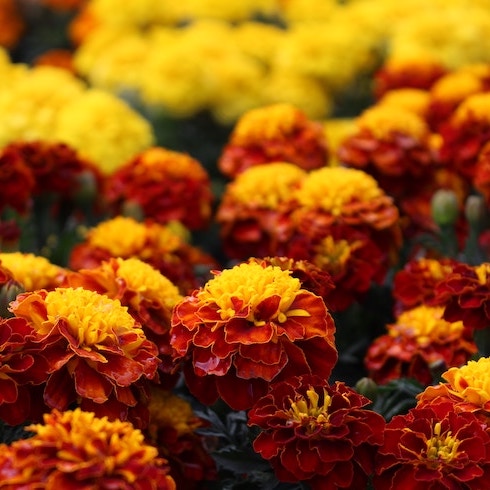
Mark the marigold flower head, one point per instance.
(246, 327)
(253, 212)
(93, 346)
(32, 271)
(76, 449)
(276, 132)
(168, 185)
(433, 447)
(419, 339)
(411, 99)
(316, 433)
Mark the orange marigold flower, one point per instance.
(77, 450)
(349, 256)
(276, 132)
(465, 134)
(467, 388)
(12, 22)
(148, 295)
(95, 349)
(248, 326)
(415, 283)
(254, 210)
(465, 294)
(162, 246)
(60, 58)
(172, 430)
(167, 185)
(429, 449)
(417, 341)
(317, 433)
(32, 271)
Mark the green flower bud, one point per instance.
(445, 207)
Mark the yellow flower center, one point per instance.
(251, 284)
(159, 162)
(265, 123)
(266, 186)
(121, 236)
(32, 271)
(92, 318)
(309, 412)
(80, 437)
(144, 279)
(441, 447)
(170, 410)
(332, 255)
(455, 87)
(436, 269)
(475, 106)
(483, 271)
(426, 325)
(384, 120)
(470, 382)
(331, 188)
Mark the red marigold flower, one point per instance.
(254, 211)
(162, 246)
(56, 166)
(17, 183)
(465, 294)
(415, 284)
(417, 341)
(465, 134)
(349, 256)
(247, 327)
(466, 388)
(167, 185)
(148, 295)
(317, 433)
(98, 356)
(431, 449)
(481, 180)
(274, 133)
(77, 450)
(172, 430)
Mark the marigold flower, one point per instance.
(254, 210)
(248, 326)
(168, 185)
(161, 246)
(94, 348)
(13, 24)
(464, 293)
(173, 431)
(274, 133)
(418, 340)
(415, 284)
(465, 387)
(78, 450)
(432, 449)
(32, 271)
(481, 179)
(317, 433)
(411, 99)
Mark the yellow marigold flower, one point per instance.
(385, 120)
(293, 11)
(333, 188)
(474, 108)
(411, 99)
(76, 449)
(454, 87)
(230, 11)
(32, 271)
(121, 131)
(426, 325)
(337, 130)
(265, 186)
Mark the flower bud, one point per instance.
(445, 208)
(368, 388)
(474, 210)
(8, 292)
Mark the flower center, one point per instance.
(441, 447)
(266, 186)
(91, 318)
(426, 324)
(482, 271)
(246, 285)
(475, 107)
(435, 268)
(332, 255)
(331, 188)
(266, 123)
(309, 412)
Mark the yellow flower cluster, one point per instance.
(50, 104)
(192, 55)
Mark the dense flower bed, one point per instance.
(298, 298)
